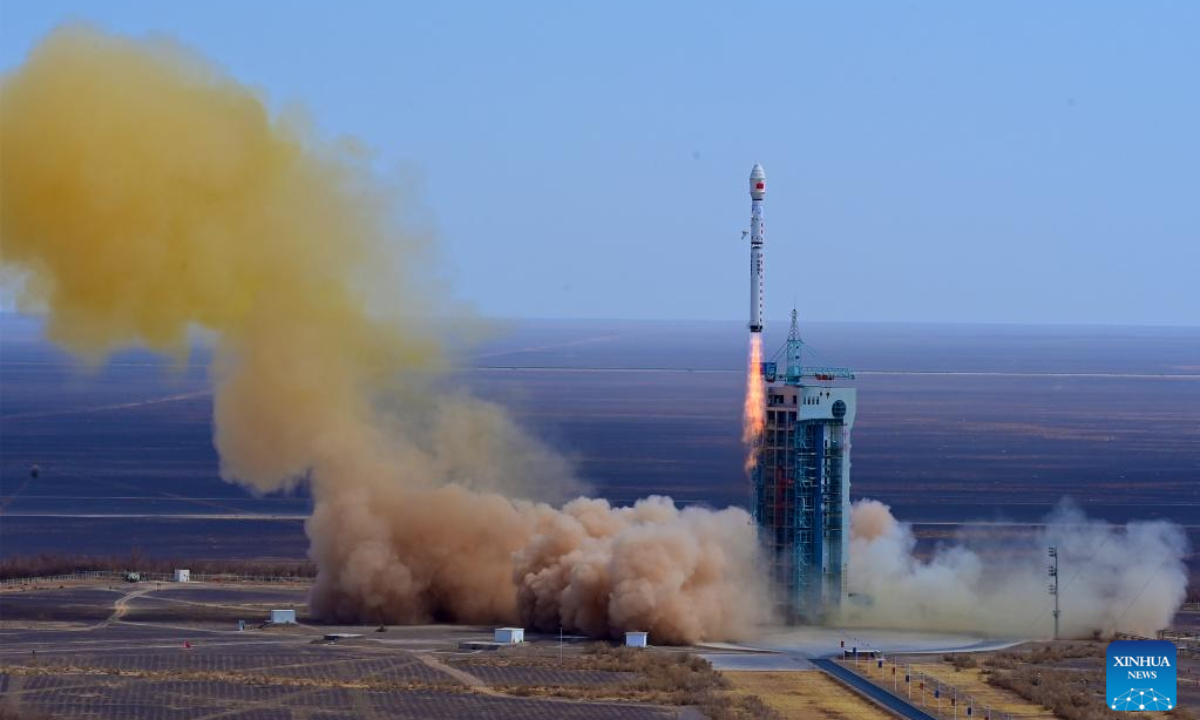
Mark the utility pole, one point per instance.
(1054, 585)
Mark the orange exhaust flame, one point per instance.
(754, 413)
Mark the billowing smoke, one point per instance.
(1128, 578)
(144, 194)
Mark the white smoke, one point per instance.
(1129, 578)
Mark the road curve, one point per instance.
(879, 695)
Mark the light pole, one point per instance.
(1053, 569)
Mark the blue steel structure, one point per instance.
(801, 482)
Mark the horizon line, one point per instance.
(9, 314)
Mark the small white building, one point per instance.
(509, 636)
(183, 576)
(283, 617)
(636, 639)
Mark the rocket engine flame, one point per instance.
(754, 418)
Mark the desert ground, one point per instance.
(111, 649)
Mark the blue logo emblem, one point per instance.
(1140, 675)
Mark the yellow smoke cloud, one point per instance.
(144, 194)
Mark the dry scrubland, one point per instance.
(47, 564)
(601, 682)
(1036, 681)
(8, 713)
(1068, 679)
(657, 677)
(118, 651)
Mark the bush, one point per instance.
(668, 678)
(1069, 694)
(12, 712)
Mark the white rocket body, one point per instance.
(758, 190)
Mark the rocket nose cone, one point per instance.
(758, 182)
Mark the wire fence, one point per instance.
(925, 691)
(944, 700)
(1187, 642)
(135, 576)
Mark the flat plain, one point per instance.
(151, 650)
(959, 427)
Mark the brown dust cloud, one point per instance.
(146, 197)
(144, 194)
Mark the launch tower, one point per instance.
(802, 482)
(800, 423)
(801, 467)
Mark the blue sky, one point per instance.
(1025, 162)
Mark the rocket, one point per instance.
(758, 190)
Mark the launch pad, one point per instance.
(790, 648)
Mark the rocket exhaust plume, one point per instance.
(754, 413)
(145, 194)
(1129, 578)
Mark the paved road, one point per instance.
(879, 695)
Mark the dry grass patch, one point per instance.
(1047, 654)
(975, 681)
(10, 711)
(808, 694)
